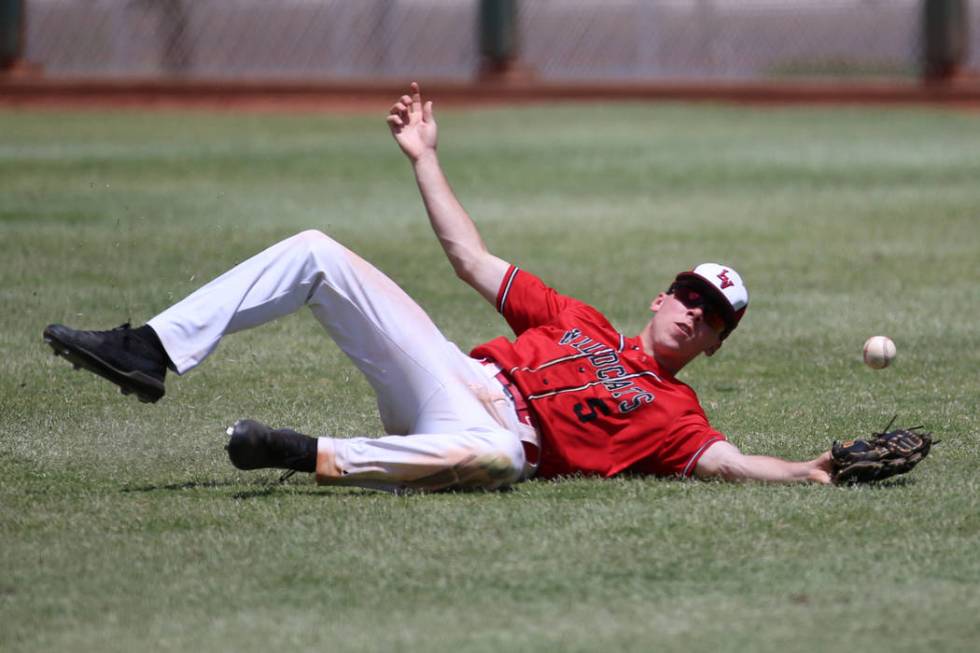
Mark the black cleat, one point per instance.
(254, 445)
(121, 355)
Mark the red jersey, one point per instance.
(602, 405)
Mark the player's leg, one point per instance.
(404, 356)
(424, 384)
(270, 284)
(467, 436)
(478, 458)
(380, 328)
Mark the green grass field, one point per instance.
(123, 527)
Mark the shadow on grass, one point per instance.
(262, 488)
(295, 490)
(188, 485)
(318, 492)
(263, 491)
(268, 486)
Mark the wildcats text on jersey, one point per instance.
(608, 372)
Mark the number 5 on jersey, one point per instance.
(594, 405)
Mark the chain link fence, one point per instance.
(623, 40)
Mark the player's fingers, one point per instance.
(427, 112)
(416, 94)
(395, 121)
(409, 107)
(399, 108)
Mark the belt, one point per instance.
(520, 404)
(532, 450)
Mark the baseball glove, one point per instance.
(888, 454)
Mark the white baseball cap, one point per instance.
(724, 285)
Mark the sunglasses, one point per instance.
(693, 298)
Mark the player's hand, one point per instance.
(413, 125)
(822, 468)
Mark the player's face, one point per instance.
(684, 325)
(693, 298)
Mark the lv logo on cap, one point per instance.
(725, 281)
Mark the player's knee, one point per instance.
(317, 243)
(312, 238)
(501, 462)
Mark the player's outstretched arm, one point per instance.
(724, 460)
(413, 125)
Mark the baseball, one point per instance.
(879, 352)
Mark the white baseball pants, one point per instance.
(449, 422)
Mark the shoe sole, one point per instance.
(147, 389)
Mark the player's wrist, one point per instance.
(426, 157)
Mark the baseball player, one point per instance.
(568, 394)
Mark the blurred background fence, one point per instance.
(554, 40)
